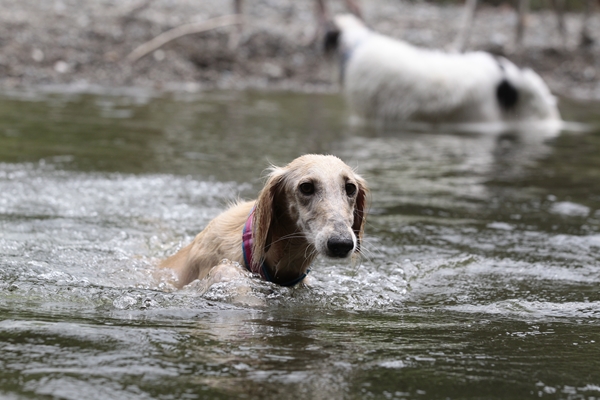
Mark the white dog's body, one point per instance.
(385, 78)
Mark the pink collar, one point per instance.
(260, 269)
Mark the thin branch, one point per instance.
(183, 30)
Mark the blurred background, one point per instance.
(86, 42)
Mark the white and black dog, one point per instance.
(389, 79)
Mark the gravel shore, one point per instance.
(84, 43)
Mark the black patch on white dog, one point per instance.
(507, 95)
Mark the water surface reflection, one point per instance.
(480, 278)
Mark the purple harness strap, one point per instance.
(262, 270)
(247, 241)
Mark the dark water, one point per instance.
(481, 278)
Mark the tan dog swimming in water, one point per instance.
(314, 205)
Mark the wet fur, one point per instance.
(290, 229)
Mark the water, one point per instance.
(480, 279)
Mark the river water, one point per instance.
(480, 278)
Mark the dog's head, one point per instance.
(343, 33)
(315, 198)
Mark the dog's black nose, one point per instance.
(339, 247)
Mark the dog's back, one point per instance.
(219, 240)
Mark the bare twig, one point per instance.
(466, 24)
(234, 37)
(183, 30)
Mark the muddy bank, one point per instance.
(85, 42)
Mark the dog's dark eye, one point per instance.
(307, 188)
(350, 189)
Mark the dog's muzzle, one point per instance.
(339, 247)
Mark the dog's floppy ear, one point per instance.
(264, 215)
(360, 211)
(331, 42)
